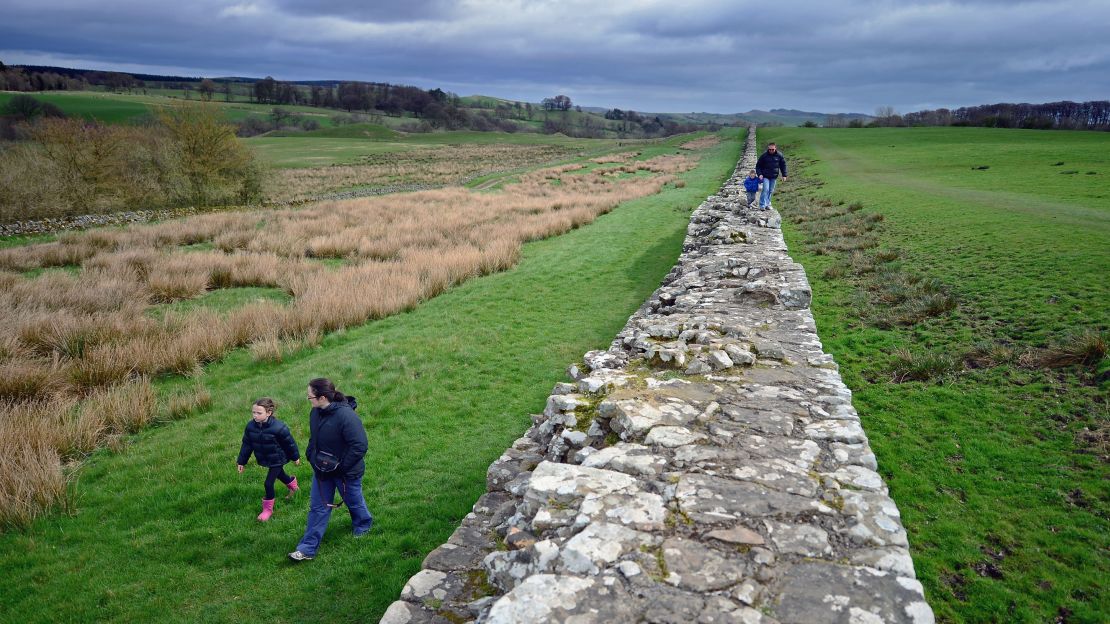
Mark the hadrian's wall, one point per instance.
(708, 467)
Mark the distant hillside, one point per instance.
(775, 116)
(78, 73)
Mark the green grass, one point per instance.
(130, 107)
(165, 530)
(223, 300)
(1005, 499)
(29, 239)
(107, 107)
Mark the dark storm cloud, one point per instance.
(647, 55)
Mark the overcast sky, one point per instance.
(646, 55)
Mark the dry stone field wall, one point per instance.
(708, 467)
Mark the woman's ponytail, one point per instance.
(323, 387)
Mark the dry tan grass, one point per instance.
(702, 143)
(450, 164)
(77, 347)
(37, 436)
(31, 478)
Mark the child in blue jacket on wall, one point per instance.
(273, 446)
(751, 186)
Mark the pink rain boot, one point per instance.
(267, 510)
(293, 488)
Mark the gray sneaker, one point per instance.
(297, 555)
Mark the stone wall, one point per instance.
(708, 467)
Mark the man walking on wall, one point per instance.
(768, 167)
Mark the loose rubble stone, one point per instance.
(401, 612)
(715, 500)
(859, 477)
(672, 437)
(633, 459)
(840, 431)
(799, 539)
(640, 510)
(450, 557)
(736, 535)
(698, 568)
(599, 544)
(568, 484)
(564, 598)
(517, 539)
(819, 593)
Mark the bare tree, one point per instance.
(207, 88)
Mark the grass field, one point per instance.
(346, 144)
(130, 107)
(443, 389)
(997, 459)
(107, 107)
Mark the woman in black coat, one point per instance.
(336, 446)
(273, 445)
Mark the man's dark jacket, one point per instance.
(337, 429)
(271, 443)
(770, 164)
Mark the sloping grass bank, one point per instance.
(994, 450)
(165, 530)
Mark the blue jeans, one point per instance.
(323, 492)
(768, 188)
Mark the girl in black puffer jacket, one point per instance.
(273, 445)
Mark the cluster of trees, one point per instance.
(521, 111)
(433, 109)
(186, 156)
(635, 124)
(279, 119)
(557, 103)
(1093, 115)
(60, 79)
(844, 121)
(353, 96)
(22, 110)
(17, 79)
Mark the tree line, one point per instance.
(431, 109)
(1064, 115)
(62, 79)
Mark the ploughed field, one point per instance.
(960, 279)
(449, 313)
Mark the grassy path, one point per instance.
(999, 471)
(165, 530)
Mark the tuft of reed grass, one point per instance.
(921, 366)
(1087, 349)
(175, 277)
(29, 380)
(990, 354)
(182, 404)
(886, 255)
(32, 482)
